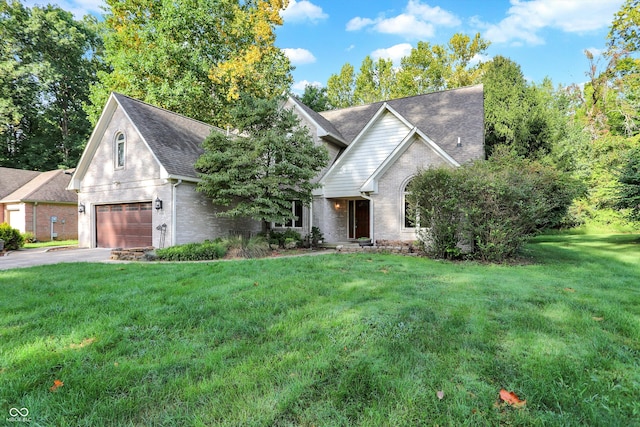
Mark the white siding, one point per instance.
(365, 156)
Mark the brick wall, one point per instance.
(388, 202)
(40, 214)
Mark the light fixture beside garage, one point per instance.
(81, 208)
(158, 203)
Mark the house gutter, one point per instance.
(371, 220)
(174, 212)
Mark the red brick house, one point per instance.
(39, 203)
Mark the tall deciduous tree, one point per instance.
(629, 184)
(261, 172)
(525, 117)
(315, 97)
(192, 57)
(47, 62)
(427, 68)
(340, 87)
(375, 81)
(505, 109)
(625, 28)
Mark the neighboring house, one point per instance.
(39, 203)
(136, 181)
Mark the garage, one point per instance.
(124, 225)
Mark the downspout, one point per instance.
(371, 220)
(174, 212)
(34, 220)
(310, 217)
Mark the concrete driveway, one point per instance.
(30, 257)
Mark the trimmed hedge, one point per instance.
(193, 252)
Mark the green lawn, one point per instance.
(51, 243)
(332, 340)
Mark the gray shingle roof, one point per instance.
(12, 179)
(175, 140)
(43, 187)
(322, 121)
(442, 116)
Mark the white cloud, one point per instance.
(358, 23)
(435, 15)
(419, 20)
(77, 8)
(299, 56)
(299, 87)
(406, 25)
(479, 58)
(394, 53)
(525, 19)
(300, 11)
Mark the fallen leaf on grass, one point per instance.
(440, 394)
(598, 319)
(512, 399)
(85, 342)
(56, 384)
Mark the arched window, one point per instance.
(119, 150)
(409, 219)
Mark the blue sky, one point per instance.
(546, 37)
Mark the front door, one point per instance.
(358, 219)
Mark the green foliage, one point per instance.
(281, 239)
(260, 173)
(254, 247)
(374, 82)
(315, 237)
(426, 69)
(434, 198)
(48, 60)
(340, 87)
(13, 240)
(629, 185)
(193, 251)
(487, 210)
(193, 59)
(625, 28)
(527, 118)
(315, 98)
(29, 237)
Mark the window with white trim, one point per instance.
(296, 209)
(409, 221)
(119, 150)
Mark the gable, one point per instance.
(365, 155)
(172, 141)
(446, 117)
(423, 153)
